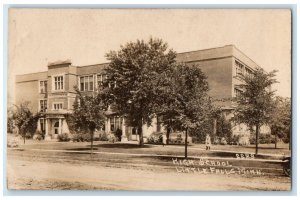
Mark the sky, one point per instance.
(84, 36)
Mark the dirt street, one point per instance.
(35, 172)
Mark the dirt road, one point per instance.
(33, 170)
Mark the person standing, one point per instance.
(207, 142)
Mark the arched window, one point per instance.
(56, 125)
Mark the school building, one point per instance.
(52, 92)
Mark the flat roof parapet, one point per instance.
(59, 62)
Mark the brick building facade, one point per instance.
(52, 92)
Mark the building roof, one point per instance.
(60, 62)
(191, 56)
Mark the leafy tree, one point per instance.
(88, 114)
(140, 71)
(281, 118)
(187, 104)
(224, 128)
(24, 119)
(255, 102)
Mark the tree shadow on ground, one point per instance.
(262, 147)
(122, 146)
(82, 149)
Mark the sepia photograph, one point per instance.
(149, 99)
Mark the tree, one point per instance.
(255, 101)
(187, 104)
(24, 119)
(137, 76)
(88, 114)
(281, 119)
(224, 128)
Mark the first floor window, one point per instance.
(100, 79)
(43, 105)
(115, 123)
(237, 92)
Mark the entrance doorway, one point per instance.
(56, 128)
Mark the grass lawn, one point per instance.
(172, 150)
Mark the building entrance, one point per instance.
(56, 128)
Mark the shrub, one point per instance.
(28, 135)
(216, 140)
(223, 141)
(13, 141)
(119, 134)
(178, 140)
(263, 139)
(81, 137)
(111, 138)
(235, 140)
(102, 136)
(38, 135)
(244, 140)
(155, 138)
(198, 135)
(64, 137)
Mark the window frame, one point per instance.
(57, 103)
(45, 88)
(40, 108)
(63, 82)
(88, 83)
(239, 67)
(237, 92)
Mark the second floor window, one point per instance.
(59, 83)
(43, 87)
(43, 105)
(87, 83)
(248, 72)
(57, 106)
(239, 68)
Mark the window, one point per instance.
(57, 106)
(100, 80)
(239, 68)
(43, 87)
(237, 92)
(58, 83)
(115, 123)
(43, 105)
(248, 72)
(87, 83)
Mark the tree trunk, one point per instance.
(168, 135)
(92, 140)
(256, 142)
(24, 137)
(185, 148)
(140, 130)
(214, 132)
(275, 141)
